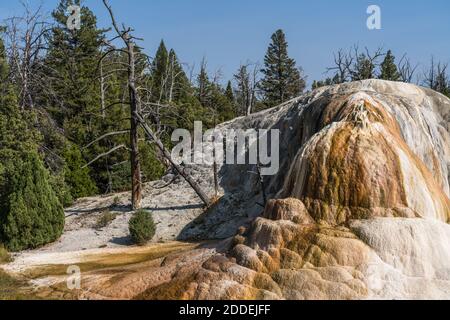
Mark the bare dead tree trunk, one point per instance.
(136, 184)
(406, 69)
(215, 169)
(136, 191)
(252, 88)
(138, 120)
(102, 90)
(172, 79)
(247, 83)
(26, 36)
(261, 181)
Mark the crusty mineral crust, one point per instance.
(358, 210)
(360, 206)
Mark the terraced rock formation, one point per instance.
(359, 209)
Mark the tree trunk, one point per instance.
(261, 181)
(102, 90)
(136, 185)
(215, 169)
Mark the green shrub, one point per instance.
(30, 212)
(61, 189)
(105, 218)
(142, 227)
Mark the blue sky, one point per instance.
(231, 32)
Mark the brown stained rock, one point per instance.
(362, 164)
(287, 209)
(338, 229)
(360, 167)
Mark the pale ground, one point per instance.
(171, 209)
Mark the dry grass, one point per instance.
(13, 289)
(5, 257)
(131, 256)
(105, 218)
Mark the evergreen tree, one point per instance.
(178, 83)
(318, 84)
(74, 103)
(437, 77)
(169, 81)
(3, 61)
(72, 60)
(229, 92)
(363, 69)
(389, 70)
(282, 79)
(222, 106)
(246, 85)
(16, 134)
(217, 106)
(30, 212)
(159, 75)
(203, 85)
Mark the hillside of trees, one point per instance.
(65, 99)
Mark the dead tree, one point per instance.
(342, 65)
(152, 137)
(355, 65)
(102, 90)
(26, 40)
(436, 77)
(247, 83)
(137, 119)
(261, 182)
(365, 64)
(128, 40)
(406, 69)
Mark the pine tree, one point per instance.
(30, 212)
(70, 65)
(203, 85)
(169, 81)
(3, 62)
(246, 85)
(72, 60)
(229, 92)
(178, 83)
(437, 77)
(389, 70)
(159, 73)
(221, 104)
(282, 79)
(363, 69)
(15, 132)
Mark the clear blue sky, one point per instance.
(234, 31)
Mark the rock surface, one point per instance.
(363, 205)
(360, 208)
